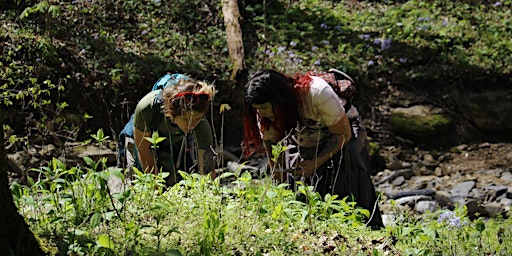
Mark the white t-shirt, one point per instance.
(321, 107)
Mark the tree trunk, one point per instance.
(15, 236)
(234, 40)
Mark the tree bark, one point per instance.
(15, 236)
(234, 40)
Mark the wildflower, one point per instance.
(338, 28)
(399, 24)
(292, 43)
(317, 62)
(324, 26)
(386, 44)
(371, 62)
(365, 37)
(314, 48)
(281, 49)
(402, 60)
(497, 4)
(269, 53)
(453, 220)
(144, 32)
(325, 42)
(445, 23)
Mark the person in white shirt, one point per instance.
(325, 144)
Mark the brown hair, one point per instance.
(176, 106)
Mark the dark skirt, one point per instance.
(347, 174)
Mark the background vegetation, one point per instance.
(69, 68)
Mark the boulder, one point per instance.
(419, 123)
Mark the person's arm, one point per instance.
(146, 156)
(205, 153)
(340, 135)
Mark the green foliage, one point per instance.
(107, 51)
(155, 139)
(41, 7)
(75, 211)
(413, 40)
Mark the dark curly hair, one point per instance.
(278, 89)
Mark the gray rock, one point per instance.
(424, 206)
(493, 209)
(507, 176)
(411, 200)
(419, 122)
(463, 189)
(398, 181)
(506, 202)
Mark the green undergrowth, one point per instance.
(77, 211)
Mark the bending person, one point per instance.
(305, 114)
(177, 113)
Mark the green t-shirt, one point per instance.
(148, 117)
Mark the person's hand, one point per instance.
(306, 168)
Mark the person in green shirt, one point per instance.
(177, 113)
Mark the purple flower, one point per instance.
(317, 62)
(292, 55)
(325, 42)
(338, 28)
(365, 37)
(314, 48)
(292, 43)
(403, 60)
(371, 62)
(445, 23)
(453, 220)
(281, 49)
(386, 44)
(324, 26)
(497, 4)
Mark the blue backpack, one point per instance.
(163, 82)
